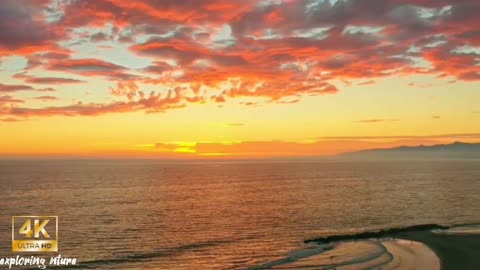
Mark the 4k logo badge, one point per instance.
(34, 233)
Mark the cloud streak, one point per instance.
(151, 103)
(9, 88)
(372, 121)
(46, 98)
(9, 100)
(46, 80)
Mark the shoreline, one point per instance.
(391, 232)
(455, 249)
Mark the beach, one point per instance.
(430, 246)
(455, 250)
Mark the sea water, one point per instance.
(145, 214)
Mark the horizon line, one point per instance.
(199, 158)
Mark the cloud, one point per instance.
(10, 119)
(47, 89)
(37, 59)
(24, 27)
(151, 12)
(46, 80)
(11, 88)
(90, 67)
(219, 99)
(6, 104)
(367, 82)
(377, 120)
(8, 88)
(86, 67)
(9, 100)
(452, 136)
(152, 103)
(99, 37)
(46, 98)
(228, 125)
(158, 67)
(128, 89)
(263, 51)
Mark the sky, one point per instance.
(236, 79)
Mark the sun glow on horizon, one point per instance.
(235, 79)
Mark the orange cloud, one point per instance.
(149, 103)
(274, 51)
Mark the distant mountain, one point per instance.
(456, 150)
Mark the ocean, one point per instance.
(146, 214)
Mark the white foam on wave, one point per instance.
(387, 254)
(463, 229)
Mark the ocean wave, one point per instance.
(378, 234)
(296, 255)
(363, 254)
(139, 257)
(461, 229)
